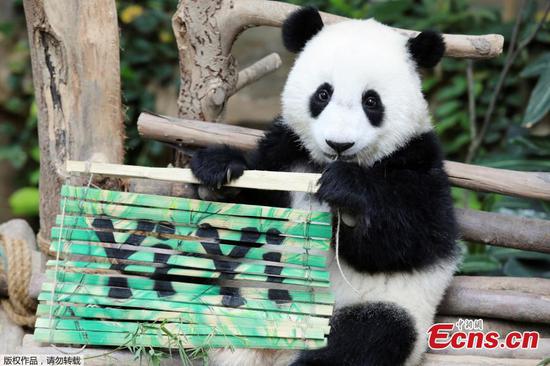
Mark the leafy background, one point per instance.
(516, 138)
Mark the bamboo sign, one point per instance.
(170, 272)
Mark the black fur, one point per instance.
(402, 204)
(278, 150)
(316, 104)
(300, 27)
(375, 114)
(372, 334)
(213, 165)
(427, 48)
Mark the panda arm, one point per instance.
(278, 150)
(403, 217)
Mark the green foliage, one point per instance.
(149, 60)
(24, 201)
(539, 102)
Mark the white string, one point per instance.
(337, 250)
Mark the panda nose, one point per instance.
(339, 147)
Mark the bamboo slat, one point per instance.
(172, 272)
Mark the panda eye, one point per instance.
(323, 95)
(320, 99)
(371, 102)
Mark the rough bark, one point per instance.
(75, 62)
(195, 133)
(205, 31)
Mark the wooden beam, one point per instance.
(534, 185)
(199, 134)
(196, 133)
(502, 326)
(504, 230)
(516, 299)
(74, 49)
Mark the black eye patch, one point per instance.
(373, 107)
(320, 99)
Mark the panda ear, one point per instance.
(300, 26)
(427, 48)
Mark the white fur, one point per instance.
(418, 292)
(355, 56)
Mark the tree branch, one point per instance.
(245, 13)
(258, 70)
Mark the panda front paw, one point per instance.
(341, 186)
(217, 166)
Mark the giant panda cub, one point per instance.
(353, 110)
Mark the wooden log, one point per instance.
(504, 230)
(247, 13)
(515, 299)
(74, 50)
(509, 182)
(542, 351)
(537, 286)
(206, 30)
(200, 134)
(196, 133)
(499, 325)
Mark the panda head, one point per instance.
(354, 92)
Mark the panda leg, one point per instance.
(370, 334)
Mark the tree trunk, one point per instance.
(74, 49)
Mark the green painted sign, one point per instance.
(171, 272)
